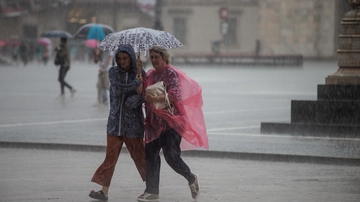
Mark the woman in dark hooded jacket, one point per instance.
(126, 119)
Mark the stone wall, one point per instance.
(304, 27)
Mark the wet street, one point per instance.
(236, 101)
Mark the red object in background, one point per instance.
(91, 43)
(2, 43)
(44, 41)
(13, 43)
(224, 13)
(9, 11)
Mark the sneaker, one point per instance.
(148, 197)
(72, 91)
(194, 187)
(61, 97)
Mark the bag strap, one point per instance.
(170, 105)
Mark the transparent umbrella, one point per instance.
(141, 39)
(56, 34)
(93, 31)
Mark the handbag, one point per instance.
(157, 89)
(59, 60)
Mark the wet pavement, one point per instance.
(58, 175)
(236, 101)
(50, 147)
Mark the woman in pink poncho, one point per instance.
(166, 131)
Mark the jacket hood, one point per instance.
(128, 49)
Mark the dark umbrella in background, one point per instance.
(93, 31)
(56, 34)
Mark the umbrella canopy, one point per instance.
(2, 43)
(44, 41)
(141, 39)
(91, 43)
(56, 34)
(13, 42)
(93, 31)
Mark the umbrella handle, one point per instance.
(139, 52)
(139, 70)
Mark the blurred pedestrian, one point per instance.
(165, 129)
(24, 49)
(73, 52)
(15, 54)
(39, 51)
(103, 83)
(45, 55)
(126, 119)
(63, 51)
(90, 53)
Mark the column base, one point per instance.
(344, 76)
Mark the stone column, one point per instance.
(336, 112)
(349, 49)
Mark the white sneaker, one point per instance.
(72, 92)
(148, 197)
(195, 187)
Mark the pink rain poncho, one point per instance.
(188, 119)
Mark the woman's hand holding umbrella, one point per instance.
(139, 65)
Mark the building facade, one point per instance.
(264, 27)
(238, 27)
(38, 16)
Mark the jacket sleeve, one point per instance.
(122, 88)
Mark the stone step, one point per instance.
(319, 130)
(325, 112)
(338, 92)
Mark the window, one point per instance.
(30, 31)
(179, 29)
(230, 37)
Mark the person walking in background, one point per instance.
(126, 119)
(24, 49)
(63, 51)
(15, 54)
(103, 83)
(45, 55)
(165, 130)
(39, 51)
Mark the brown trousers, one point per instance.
(136, 148)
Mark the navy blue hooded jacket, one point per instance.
(126, 117)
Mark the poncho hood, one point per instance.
(128, 49)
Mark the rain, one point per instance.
(280, 89)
